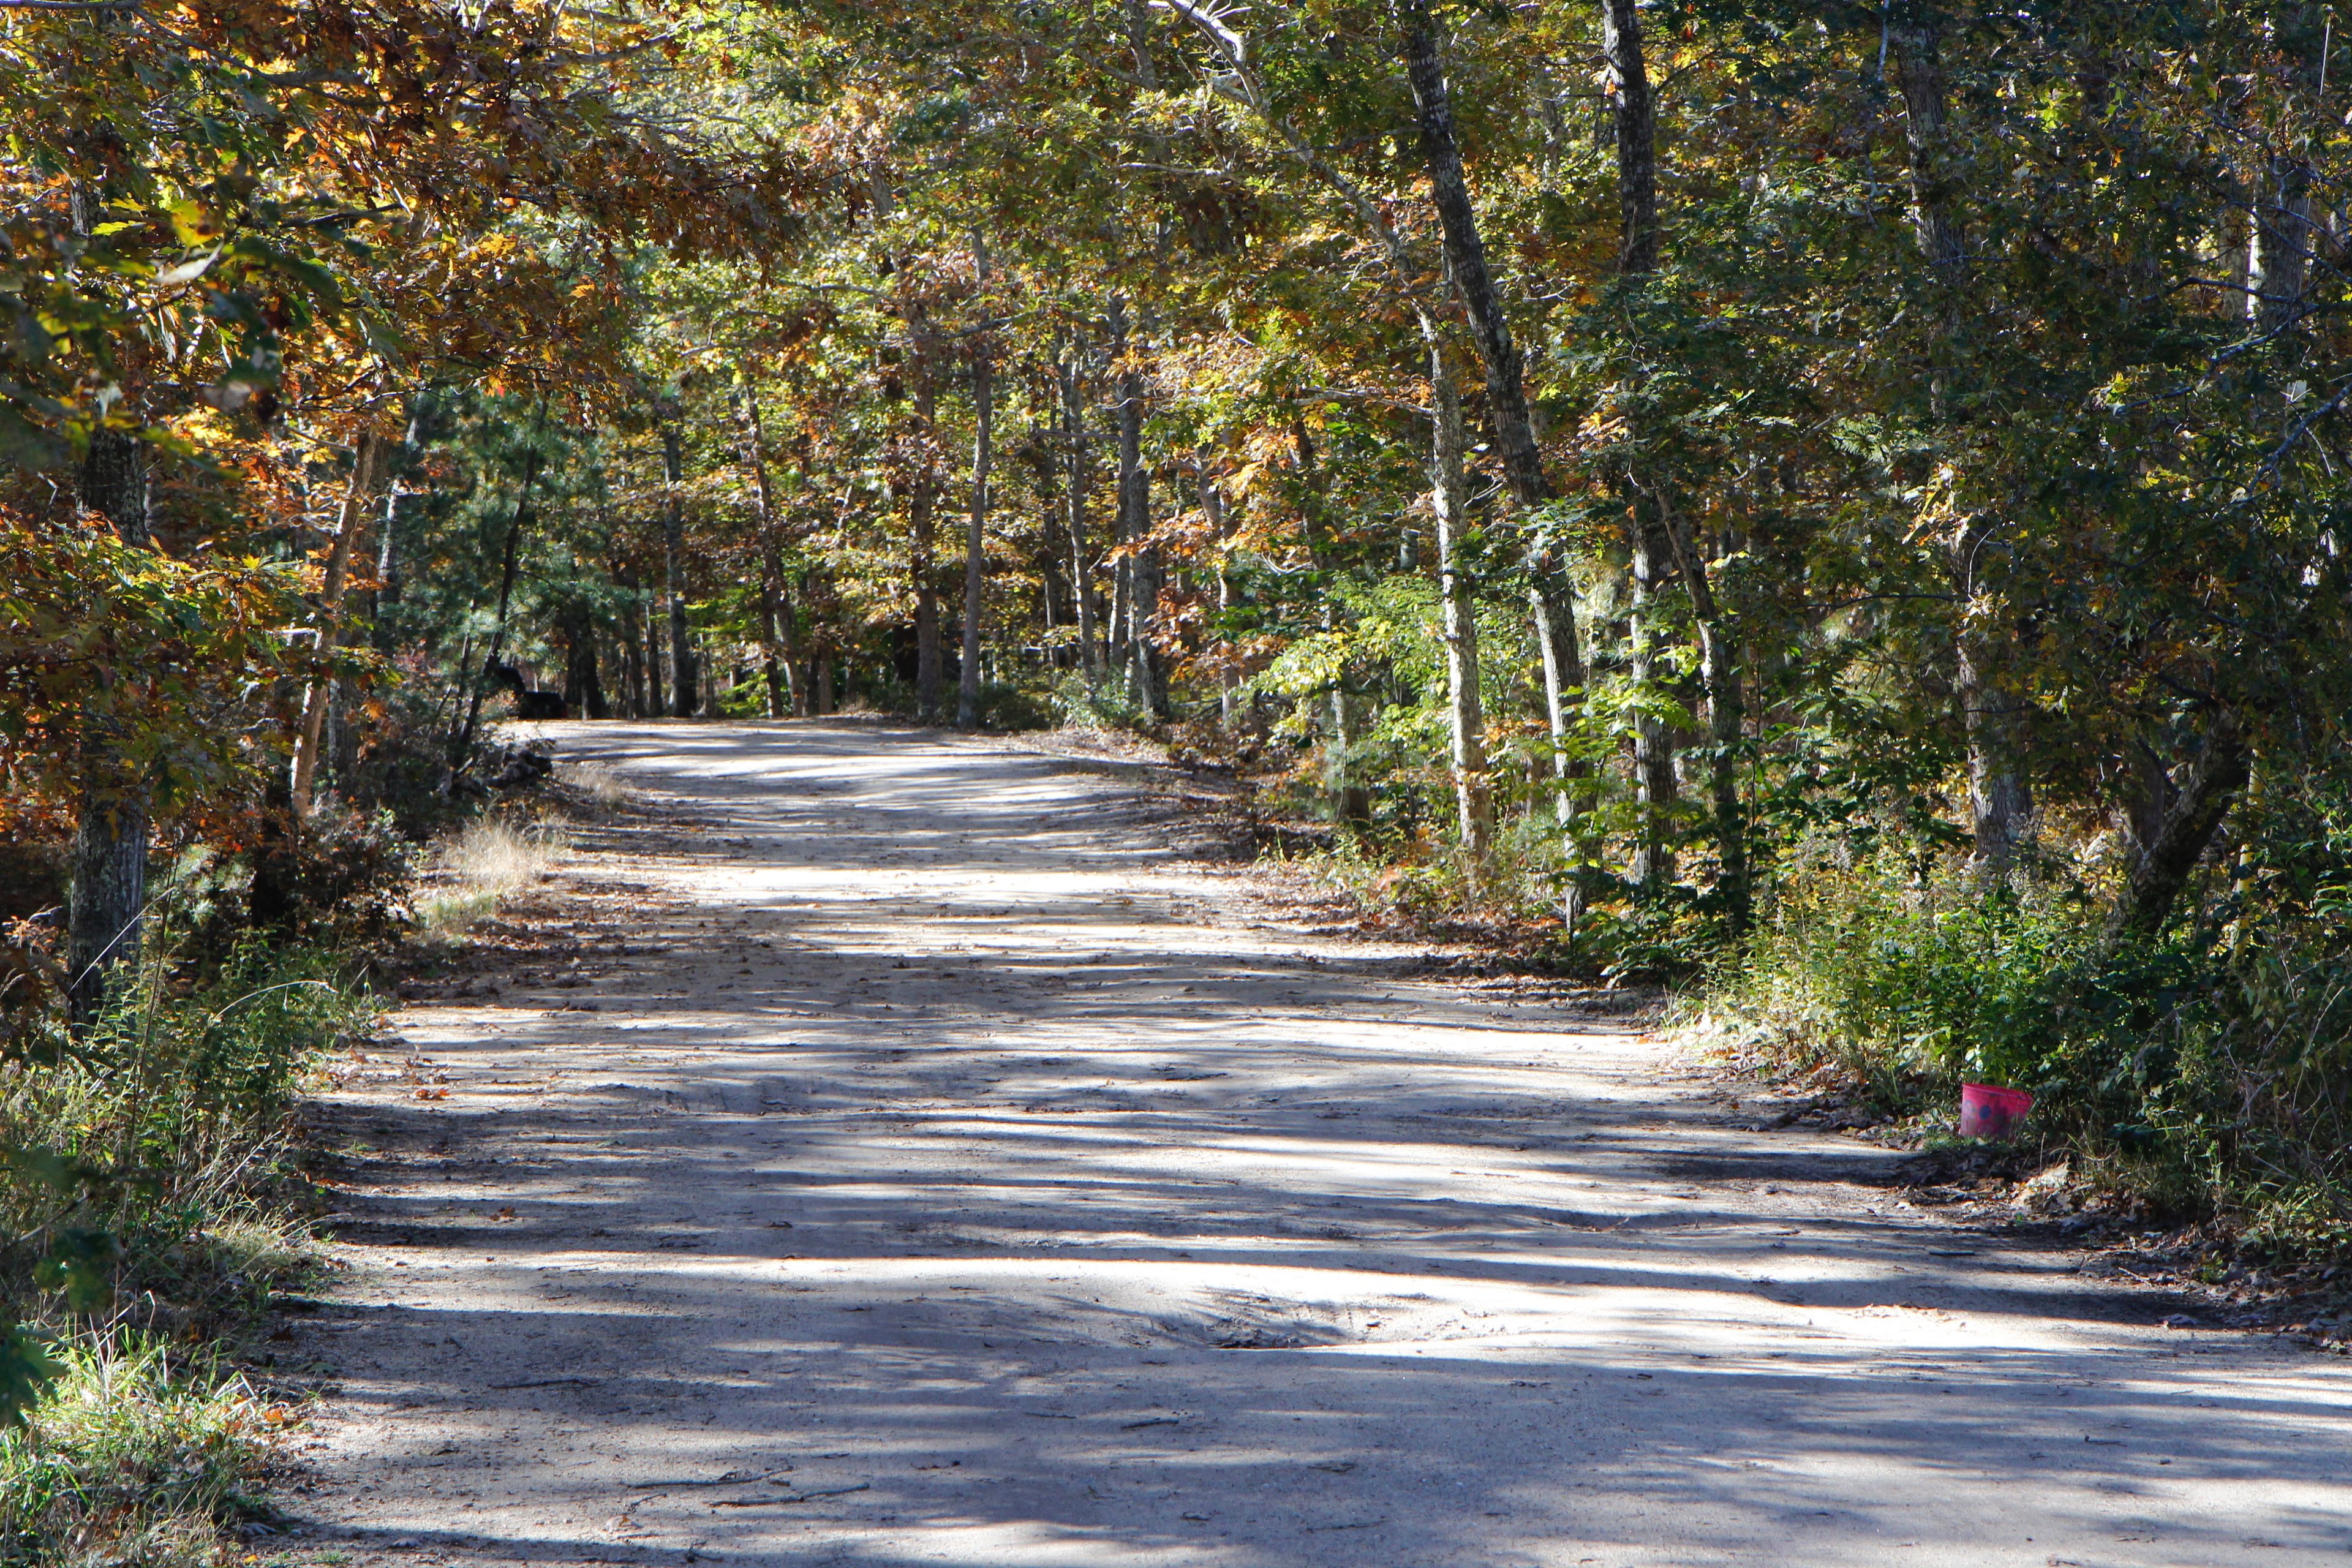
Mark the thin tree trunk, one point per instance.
(975, 543)
(1213, 510)
(657, 687)
(2279, 258)
(1551, 606)
(1638, 248)
(1991, 718)
(462, 747)
(1082, 565)
(1465, 256)
(108, 897)
(1449, 499)
(775, 608)
(1145, 676)
(2168, 855)
(1727, 722)
(390, 579)
(367, 459)
(1350, 802)
(1637, 138)
(1656, 790)
(633, 655)
(684, 675)
(928, 654)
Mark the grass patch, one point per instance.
(488, 861)
(136, 1454)
(595, 781)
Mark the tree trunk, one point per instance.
(108, 897)
(1465, 256)
(583, 679)
(928, 654)
(1145, 678)
(975, 541)
(1350, 802)
(1727, 722)
(657, 687)
(775, 608)
(1552, 607)
(2279, 258)
(367, 459)
(1991, 718)
(1213, 511)
(633, 653)
(1082, 564)
(1449, 499)
(682, 675)
(1638, 248)
(462, 747)
(1656, 790)
(2167, 855)
(1637, 138)
(390, 579)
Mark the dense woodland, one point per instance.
(1836, 507)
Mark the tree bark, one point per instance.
(633, 655)
(1449, 499)
(1553, 608)
(1655, 788)
(1637, 138)
(462, 747)
(975, 542)
(1145, 676)
(928, 654)
(1465, 256)
(1638, 255)
(657, 685)
(1213, 511)
(2167, 857)
(1991, 719)
(108, 903)
(367, 459)
(2279, 257)
(1719, 676)
(1081, 480)
(775, 605)
(390, 579)
(683, 673)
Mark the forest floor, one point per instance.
(900, 1149)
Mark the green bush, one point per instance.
(164, 1127)
(2208, 1072)
(133, 1455)
(1903, 973)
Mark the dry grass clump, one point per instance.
(490, 860)
(600, 784)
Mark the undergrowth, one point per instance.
(136, 1453)
(2205, 1074)
(148, 1209)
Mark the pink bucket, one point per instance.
(1989, 1112)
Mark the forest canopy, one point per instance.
(1832, 505)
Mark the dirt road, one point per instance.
(940, 1172)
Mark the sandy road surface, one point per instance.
(947, 1175)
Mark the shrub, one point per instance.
(2208, 1072)
(132, 1455)
(162, 1128)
